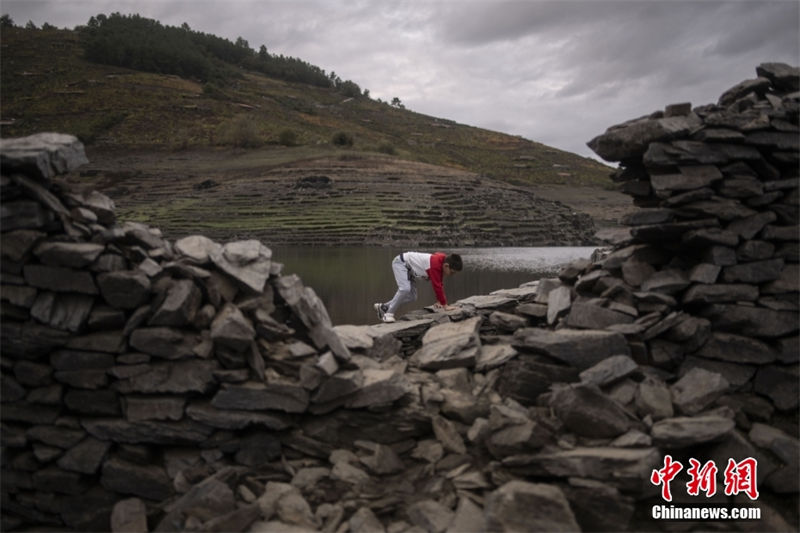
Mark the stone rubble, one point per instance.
(192, 386)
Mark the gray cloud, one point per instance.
(554, 71)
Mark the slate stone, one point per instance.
(85, 457)
(54, 436)
(626, 469)
(689, 177)
(180, 305)
(53, 479)
(720, 256)
(516, 437)
(82, 379)
(697, 390)
(507, 321)
(93, 402)
(379, 387)
(180, 377)
(252, 396)
(748, 227)
(247, 262)
(787, 282)
(558, 303)
(578, 348)
(683, 432)
(146, 432)
(631, 139)
(653, 398)
(232, 329)
(430, 515)
(18, 243)
(693, 153)
(738, 349)
(490, 301)
(197, 248)
(720, 293)
(44, 155)
(338, 386)
(704, 237)
(598, 506)
(779, 384)
(146, 481)
(125, 289)
(59, 279)
(163, 342)
(493, 356)
(365, 521)
(609, 370)
(80, 360)
(752, 321)
(258, 448)
(672, 231)
(753, 272)
(447, 434)
(30, 413)
(734, 373)
(228, 419)
(129, 516)
(68, 254)
(25, 215)
(153, 408)
(784, 77)
(449, 345)
(586, 411)
(740, 90)
(524, 379)
(588, 316)
(62, 310)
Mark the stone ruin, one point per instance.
(150, 385)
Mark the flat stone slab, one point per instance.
(523, 506)
(44, 155)
(683, 432)
(624, 468)
(491, 301)
(581, 349)
(449, 345)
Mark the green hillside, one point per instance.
(47, 84)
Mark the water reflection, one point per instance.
(350, 279)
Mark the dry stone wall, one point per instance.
(150, 385)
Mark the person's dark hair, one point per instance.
(454, 260)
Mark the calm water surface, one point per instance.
(350, 279)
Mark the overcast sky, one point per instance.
(557, 72)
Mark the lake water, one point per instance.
(349, 280)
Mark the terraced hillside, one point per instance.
(349, 199)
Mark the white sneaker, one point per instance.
(388, 317)
(379, 309)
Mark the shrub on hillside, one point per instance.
(287, 138)
(241, 132)
(387, 148)
(341, 138)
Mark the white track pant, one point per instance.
(406, 286)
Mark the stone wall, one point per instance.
(150, 385)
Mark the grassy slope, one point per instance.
(46, 85)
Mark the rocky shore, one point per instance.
(152, 385)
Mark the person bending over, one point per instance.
(410, 266)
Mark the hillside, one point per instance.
(47, 85)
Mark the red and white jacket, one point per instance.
(428, 266)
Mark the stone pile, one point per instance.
(158, 386)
